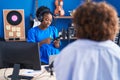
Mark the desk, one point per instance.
(45, 75)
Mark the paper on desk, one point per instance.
(31, 72)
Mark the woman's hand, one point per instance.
(46, 41)
(57, 43)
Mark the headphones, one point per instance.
(40, 16)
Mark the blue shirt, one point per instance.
(36, 34)
(88, 60)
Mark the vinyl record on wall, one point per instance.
(14, 17)
(14, 25)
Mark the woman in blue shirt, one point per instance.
(45, 35)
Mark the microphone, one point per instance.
(51, 66)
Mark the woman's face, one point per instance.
(47, 20)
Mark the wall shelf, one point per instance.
(63, 17)
(73, 38)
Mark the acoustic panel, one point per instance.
(14, 26)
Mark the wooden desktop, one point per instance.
(44, 75)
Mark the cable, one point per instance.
(39, 76)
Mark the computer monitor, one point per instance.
(23, 53)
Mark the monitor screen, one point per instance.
(23, 53)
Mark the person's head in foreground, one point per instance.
(96, 21)
(94, 55)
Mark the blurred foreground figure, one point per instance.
(94, 55)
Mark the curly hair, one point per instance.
(96, 21)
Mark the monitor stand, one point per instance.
(15, 75)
